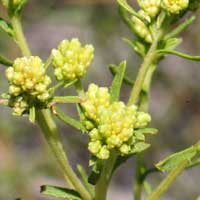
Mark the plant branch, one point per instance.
(180, 28)
(48, 126)
(167, 182)
(104, 180)
(148, 60)
(20, 39)
(5, 61)
(180, 54)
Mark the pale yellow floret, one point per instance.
(19, 106)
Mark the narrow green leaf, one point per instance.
(128, 8)
(5, 26)
(172, 43)
(60, 192)
(67, 85)
(151, 131)
(194, 163)
(180, 28)
(5, 61)
(117, 81)
(32, 114)
(136, 46)
(69, 120)
(179, 54)
(139, 136)
(113, 71)
(140, 147)
(84, 177)
(66, 99)
(174, 160)
(126, 19)
(80, 112)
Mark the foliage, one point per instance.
(116, 130)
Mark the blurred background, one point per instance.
(25, 160)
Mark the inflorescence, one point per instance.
(111, 125)
(28, 84)
(71, 60)
(149, 9)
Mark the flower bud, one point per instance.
(151, 7)
(141, 29)
(142, 120)
(104, 153)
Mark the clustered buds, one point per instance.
(111, 125)
(149, 10)
(151, 7)
(27, 82)
(175, 6)
(71, 60)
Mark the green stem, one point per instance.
(145, 93)
(21, 40)
(141, 88)
(106, 174)
(48, 125)
(167, 182)
(148, 60)
(137, 189)
(144, 106)
(49, 129)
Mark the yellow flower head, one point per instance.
(27, 75)
(71, 60)
(175, 6)
(110, 125)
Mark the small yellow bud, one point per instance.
(151, 7)
(125, 149)
(104, 153)
(142, 120)
(141, 29)
(94, 147)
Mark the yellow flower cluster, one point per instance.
(28, 75)
(19, 106)
(71, 60)
(28, 84)
(175, 6)
(151, 7)
(110, 125)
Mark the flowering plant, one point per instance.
(116, 130)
